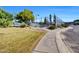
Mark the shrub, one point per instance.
(59, 26)
(23, 25)
(51, 27)
(64, 25)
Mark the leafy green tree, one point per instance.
(5, 22)
(76, 22)
(25, 16)
(5, 18)
(6, 15)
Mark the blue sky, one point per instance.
(66, 13)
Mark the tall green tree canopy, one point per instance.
(5, 18)
(76, 22)
(5, 15)
(25, 16)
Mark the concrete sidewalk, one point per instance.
(47, 44)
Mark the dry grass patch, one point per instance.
(18, 39)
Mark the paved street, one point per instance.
(47, 44)
(72, 38)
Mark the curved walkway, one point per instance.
(47, 44)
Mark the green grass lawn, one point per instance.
(19, 39)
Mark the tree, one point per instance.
(5, 18)
(45, 21)
(76, 22)
(50, 18)
(55, 23)
(5, 22)
(54, 19)
(25, 16)
(5, 15)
